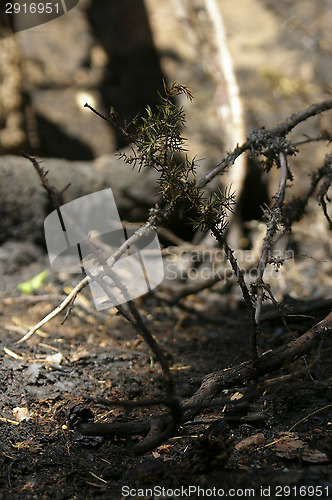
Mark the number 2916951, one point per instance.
(32, 8)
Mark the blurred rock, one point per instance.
(24, 203)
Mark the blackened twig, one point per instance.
(53, 193)
(272, 227)
(322, 194)
(245, 293)
(315, 109)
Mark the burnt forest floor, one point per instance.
(50, 377)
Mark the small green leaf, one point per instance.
(35, 283)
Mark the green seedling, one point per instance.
(35, 283)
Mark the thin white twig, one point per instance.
(237, 130)
(226, 65)
(57, 310)
(218, 64)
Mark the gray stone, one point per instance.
(24, 202)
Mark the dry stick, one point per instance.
(71, 296)
(213, 384)
(272, 227)
(282, 129)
